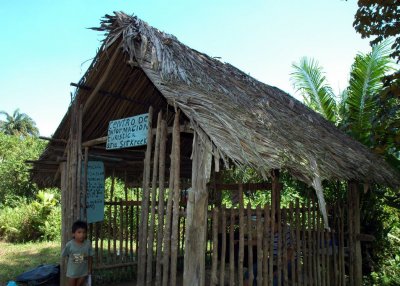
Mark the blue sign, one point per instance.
(128, 132)
(95, 191)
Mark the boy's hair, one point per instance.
(79, 224)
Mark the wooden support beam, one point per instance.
(195, 238)
(53, 139)
(354, 203)
(101, 81)
(247, 186)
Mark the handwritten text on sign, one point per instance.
(95, 191)
(128, 132)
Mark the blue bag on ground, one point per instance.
(41, 275)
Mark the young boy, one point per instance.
(79, 253)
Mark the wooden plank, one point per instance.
(161, 190)
(214, 265)
(149, 275)
(143, 227)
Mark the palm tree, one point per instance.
(18, 124)
(354, 109)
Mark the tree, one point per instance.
(18, 124)
(380, 20)
(358, 111)
(14, 172)
(354, 109)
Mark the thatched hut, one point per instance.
(210, 116)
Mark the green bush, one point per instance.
(38, 220)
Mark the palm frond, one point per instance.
(308, 78)
(365, 83)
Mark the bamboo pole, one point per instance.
(167, 231)
(121, 227)
(321, 248)
(115, 227)
(232, 248)
(223, 247)
(214, 265)
(310, 244)
(350, 224)
(320, 265)
(163, 142)
(293, 244)
(250, 244)
(259, 246)
(176, 190)
(143, 227)
(299, 252)
(284, 246)
(241, 235)
(279, 248)
(64, 219)
(267, 256)
(126, 228)
(149, 276)
(110, 215)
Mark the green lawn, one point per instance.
(18, 258)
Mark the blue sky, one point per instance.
(46, 45)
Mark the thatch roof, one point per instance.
(247, 121)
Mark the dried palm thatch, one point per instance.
(248, 122)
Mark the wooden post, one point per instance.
(65, 224)
(176, 141)
(241, 235)
(149, 275)
(163, 142)
(250, 244)
(195, 237)
(232, 248)
(223, 246)
(145, 205)
(167, 230)
(354, 230)
(214, 278)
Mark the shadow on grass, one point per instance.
(19, 258)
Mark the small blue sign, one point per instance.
(95, 191)
(128, 132)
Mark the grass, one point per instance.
(18, 258)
